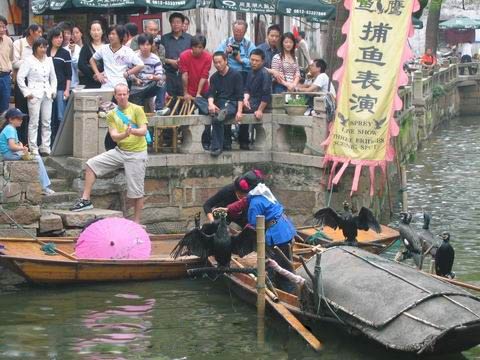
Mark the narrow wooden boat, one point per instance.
(370, 240)
(25, 257)
(392, 304)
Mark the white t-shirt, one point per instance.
(74, 55)
(322, 81)
(116, 63)
(467, 49)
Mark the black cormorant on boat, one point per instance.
(444, 257)
(348, 222)
(215, 239)
(410, 239)
(427, 239)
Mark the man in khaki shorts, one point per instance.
(130, 152)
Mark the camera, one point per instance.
(157, 40)
(235, 49)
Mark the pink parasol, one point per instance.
(113, 238)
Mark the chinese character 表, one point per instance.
(367, 79)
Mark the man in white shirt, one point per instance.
(466, 57)
(321, 81)
(119, 61)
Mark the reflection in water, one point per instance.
(119, 330)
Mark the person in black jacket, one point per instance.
(95, 40)
(225, 99)
(230, 194)
(62, 62)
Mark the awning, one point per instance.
(130, 6)
(253, 6)
(460, 23)
(314, 9)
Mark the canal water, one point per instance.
(202, 319)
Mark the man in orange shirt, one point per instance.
(428, 60)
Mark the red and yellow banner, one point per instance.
(374, 53)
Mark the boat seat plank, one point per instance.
(387, 234)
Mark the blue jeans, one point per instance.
(58, 113)
(157, 91)
(42, 171)
(278, 89)
(221, 134)
(5, 90)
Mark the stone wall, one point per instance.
(20, 199)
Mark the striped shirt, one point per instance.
(288, 69)
(153, 66)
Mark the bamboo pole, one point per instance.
(403, 174)
(458, 283)
(260, 280)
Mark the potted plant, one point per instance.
(296, 106)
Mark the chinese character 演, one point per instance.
(362, 103)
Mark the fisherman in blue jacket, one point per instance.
(279, 230)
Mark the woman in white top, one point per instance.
(119, 61)
(38, 70)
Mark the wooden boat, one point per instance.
(370, 240)
(392, 304)
(25, 257)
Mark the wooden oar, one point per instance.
(456, 282)
(291, 319)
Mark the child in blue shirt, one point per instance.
(12, 149)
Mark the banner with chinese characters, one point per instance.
(372, 70)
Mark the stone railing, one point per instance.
(277, 132)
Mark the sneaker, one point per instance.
(47, 191)
(44, 153)
(222, 114)
(165, 111)
(81, 205)
(308, 112)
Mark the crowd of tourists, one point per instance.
(45, 67)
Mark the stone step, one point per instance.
(59, 197)
(59, 185)
(49, 207)
(52, 172)
(81, 218)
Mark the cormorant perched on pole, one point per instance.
(444, 257)
(215, 239)
(348, 222)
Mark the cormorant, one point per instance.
(215, 239)
(410, 239)
(444, 257)
(427, 239)
(348, 222)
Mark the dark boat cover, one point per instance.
(397, 305)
